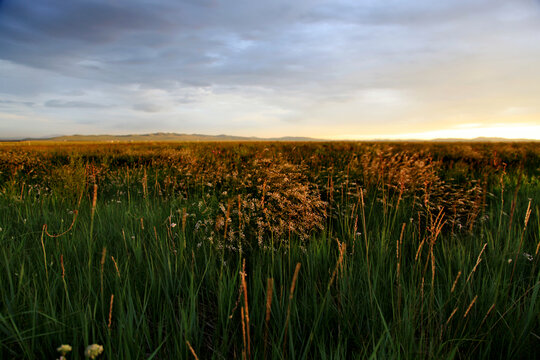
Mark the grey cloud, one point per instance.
(73, 104)
(147, 107)
(15, 103)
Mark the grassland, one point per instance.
(270, 250)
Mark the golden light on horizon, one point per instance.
(464, 131)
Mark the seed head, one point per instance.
(93, 351)
(64, 349)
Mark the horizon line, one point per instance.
(388, 138)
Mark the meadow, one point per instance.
(270, 250)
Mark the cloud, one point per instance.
(300, 65)
(74, 104)
(147, 107)
(15, 103)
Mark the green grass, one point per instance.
(172, 285)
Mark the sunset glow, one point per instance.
(499, 131)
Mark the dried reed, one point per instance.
(450, 317)
(116, 266)
(191, 349)
(470, 306)
(478, 260)
(102, 263)
(455, 282)
(110, 312)
(245, 312)
(269, 291)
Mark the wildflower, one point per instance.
(63, 349)
(509, 261)
(528, 256)
(93, 351)
(173, 225)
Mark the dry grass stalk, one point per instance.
(110, 311)
(455, 282)
(227, 219)
(75, 213)
(478, 260)
(22, 191)
(243, 333)
(184, 219)
(62, 265)
(364, 227)
(239, 199)
(145, 184)
(451, 315)
(435, 230)
(237, 301)
(527, 215)
(470, 306)
(526, 221)
(44, 253)
(398, 249)
(116, 266)
(94, 199)
(125, 243)
(191, 349)
(339, 264)
(245, 315)
(269, 291)
(102, 263)
(514, 200)
(485, 317)
(419, 249)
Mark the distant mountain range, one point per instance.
(171, 137)
(161, 136)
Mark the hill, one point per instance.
(160, 136)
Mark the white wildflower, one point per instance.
(528, 256)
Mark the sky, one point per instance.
(338, 69)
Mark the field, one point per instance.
(270, 250)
